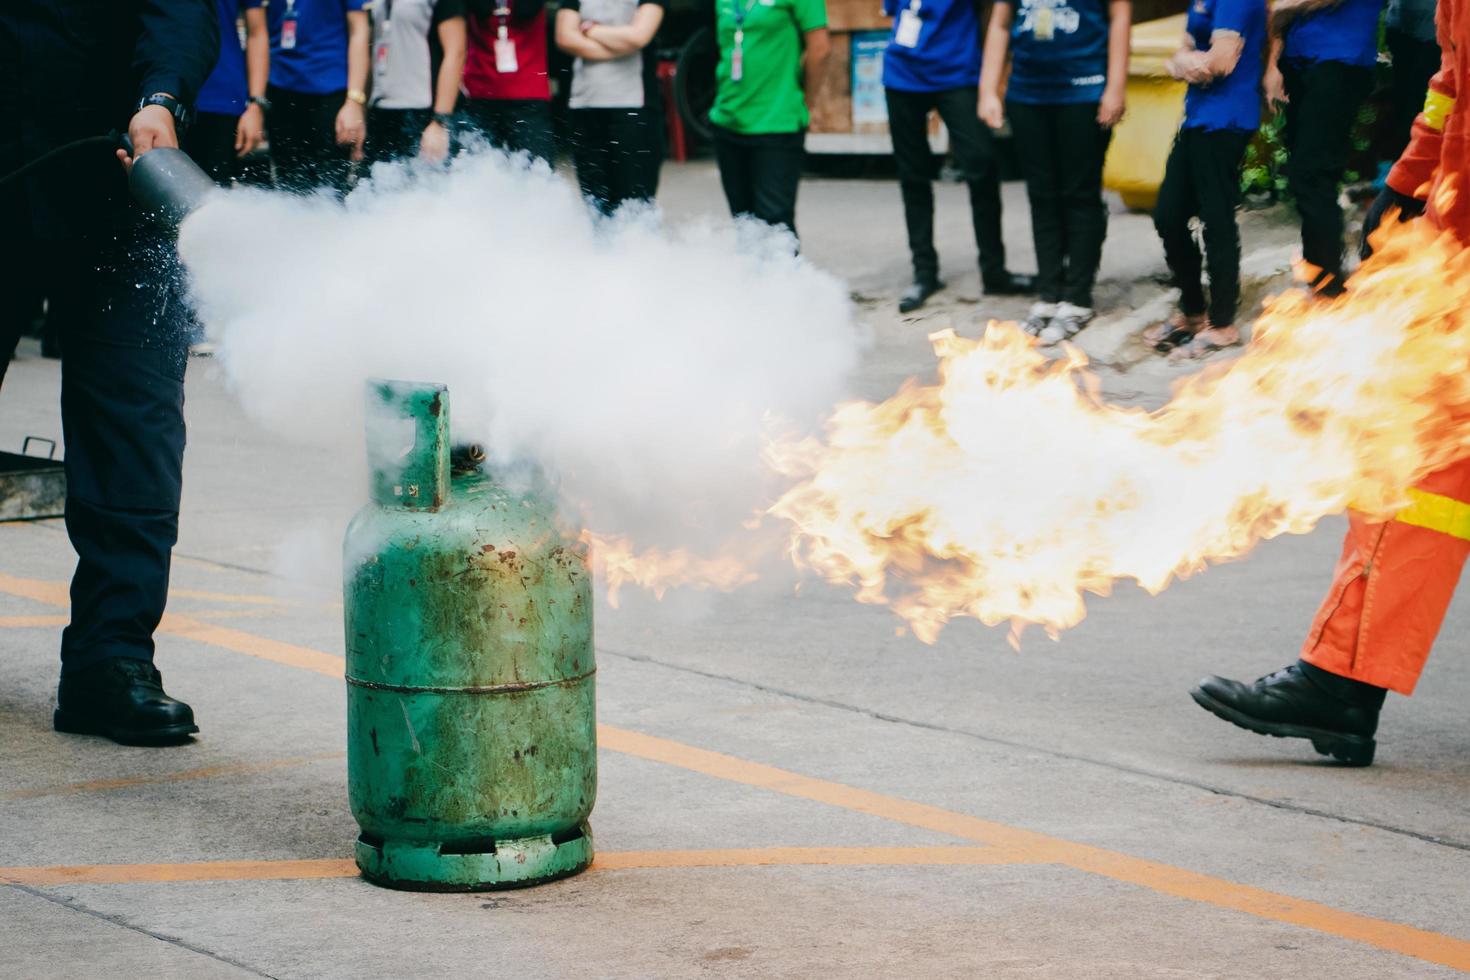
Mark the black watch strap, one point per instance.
(445, 119)
(180, 112)
(260, 100)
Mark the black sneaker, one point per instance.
(122, 699)
(1338, 715)
(917, 294)
(1010, 284)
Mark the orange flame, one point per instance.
(1010, 488)
(617, 562)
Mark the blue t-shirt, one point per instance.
(317, 62)
(1059, 51)
(947, 55)
(225, 90)
(1345, 32)
(1234, 101)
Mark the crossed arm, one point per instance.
(605, 42)
(1196, 67)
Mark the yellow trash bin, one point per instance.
(1141, 143)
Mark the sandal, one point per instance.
(1206, 342)
(1178, 330)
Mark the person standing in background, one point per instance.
(1409, 31)
(933, 63)
(1069, 71)
(1221, 60)
(772, 54)
(1321, 68)
(230, 122)
(318, 77)
(418, 60)
(617, 123)
(505, 77)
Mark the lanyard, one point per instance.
(502, 17)
(741, 14)
(290, 13)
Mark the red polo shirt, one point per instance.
(528, 81)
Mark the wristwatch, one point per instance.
(181, 113)
(357, 95)
(445, 119)
(260, 100)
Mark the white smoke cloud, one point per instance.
(637, 363)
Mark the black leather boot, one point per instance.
(1010, 284)
(916, 295)
(1337, 714)
(122, 699)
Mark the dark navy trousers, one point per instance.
(122, 413)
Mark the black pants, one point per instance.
(1202, 180)
(1414, 64)
(514, 125)
(1062, 149)
(1324, 100)
(394, 134)
(303, 134)
(761, 173)
(974, 154)
(122, 415)
(210, 141)
(618, 153)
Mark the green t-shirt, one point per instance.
(768, 98)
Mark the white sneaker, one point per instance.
(1066, 324)
(1037, 320)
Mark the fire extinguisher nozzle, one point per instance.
(169, 185)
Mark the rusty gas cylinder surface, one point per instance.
(472, 755)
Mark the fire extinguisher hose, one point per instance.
(112, 140)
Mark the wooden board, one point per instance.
(856, 15)
(832, 112)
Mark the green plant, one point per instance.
(1264, 171)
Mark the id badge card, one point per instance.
(288, 30)
(909, 26)
(505, 56)
(1046, 25)
(737, 58)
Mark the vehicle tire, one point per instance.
(694, 81)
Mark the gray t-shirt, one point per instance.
(616, 84)
(406, 51)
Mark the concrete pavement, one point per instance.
(787, 788)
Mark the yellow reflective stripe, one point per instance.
(1437, 107)
(1437, 513)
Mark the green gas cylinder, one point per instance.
(471, 726)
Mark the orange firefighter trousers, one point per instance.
(1395, 579)
(1392, 586)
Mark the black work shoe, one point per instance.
(122, 699)
(1337, 714)
(1011, 284)
(1328, 285)
(916, 294)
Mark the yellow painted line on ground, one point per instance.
(1040, 848)
(245, 599)
(37, 622)
(48, 593)
(133, 874)
(239, 641)
(751, 857)
(32, 622)
(1027, 845)
(126, 782)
